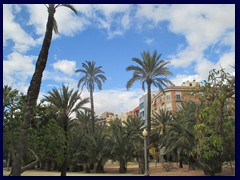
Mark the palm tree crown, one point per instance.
(149, 70)
(92, 75)
(66, 101)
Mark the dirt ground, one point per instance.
(111, 169)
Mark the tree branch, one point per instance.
(32, 164)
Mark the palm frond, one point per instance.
(70, 7)
(55, 26)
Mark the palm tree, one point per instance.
(150, 70)
(121, 143)
(88, 148)
(92, 75)
(34, 88)
(10, 105)
(180, 136)
(135, 127)
(161, 120)
(65, 102)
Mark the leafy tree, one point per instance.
(65, 102)
(11, 121)
(91, 75)
(47, 137)
(34, 88)
(215, 121)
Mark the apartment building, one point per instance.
(171, 97)
(143, 107)
(106, 117)
(134, 113)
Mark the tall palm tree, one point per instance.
(150, 70)
(65, 102)
(91, 75)
(34, 88)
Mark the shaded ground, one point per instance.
(111, 169)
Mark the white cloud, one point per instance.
(63, 16)
(201, 25)
(203, 67)
(65, 66)
(13, 31)
(154, 13)
(113, 18)
(180, 78)
(17, 68)
(226, 61)
(116, 101)
(149, 41)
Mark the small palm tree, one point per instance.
(91, 75)
(34, 88)
(121, 144)
(65, 102)
(181, 137)
(161, 120)
(135, 127)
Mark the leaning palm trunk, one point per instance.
(32, 94)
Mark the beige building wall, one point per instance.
(172, 96)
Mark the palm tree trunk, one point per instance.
(148, 119)
(64, 164)
(92, 110)
(149, 110)
(32, 94)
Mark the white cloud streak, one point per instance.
(65, 66)
(17, 68)
(116, 101)
(13, 31)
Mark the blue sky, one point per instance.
(194, 38)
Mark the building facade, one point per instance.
(143, 109)
(172, 96)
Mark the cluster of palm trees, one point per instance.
(61, 131)
(175, 132)
(62, 141)
(92, 75)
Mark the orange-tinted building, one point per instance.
(172, 96)
(134, 113)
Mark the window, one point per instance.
(141, 105)
(142, 114)
(168, 96)
(178, 95)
